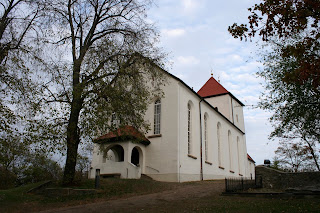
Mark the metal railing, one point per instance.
(242, 184)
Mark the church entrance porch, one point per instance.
(124, 159)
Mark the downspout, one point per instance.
(179, 161)
(201, 168)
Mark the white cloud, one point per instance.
(249, 67)
(187, 60)
(173, 32)
(235, 58)
(191, 6)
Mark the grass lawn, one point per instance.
(14, 199)
(17, 200)
(235, 204)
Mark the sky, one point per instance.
(195, 35)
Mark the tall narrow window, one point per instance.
(189, 128)
(238, 149)
(206, 137)
(157, 116)
(219, 144)
(230, 149)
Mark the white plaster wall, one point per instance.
(186, 167)
(238, 110)
(161, 154)
(212, 171)
(230, 108)
(223, 102)
(250, 169)
(189, 167)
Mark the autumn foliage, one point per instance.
(283, 20)
(290, 31)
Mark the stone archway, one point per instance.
(136, 156)
(115, 153)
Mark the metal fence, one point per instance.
(241, 184)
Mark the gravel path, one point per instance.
(143, 202)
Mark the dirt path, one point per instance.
(143, 202)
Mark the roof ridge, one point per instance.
(212, 87)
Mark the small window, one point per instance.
(238, 151)
(237, 118)
(189, 128)
(230, 149)
(206, 137)
(157, 117)
(219, 144)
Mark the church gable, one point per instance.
(212, 88)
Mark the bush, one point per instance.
(7, 179)
(41, 168)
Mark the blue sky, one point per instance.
(194, 33)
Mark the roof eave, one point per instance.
(145, 142)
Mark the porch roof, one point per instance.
(124, 133)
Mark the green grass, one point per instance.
(238, 204)
(11, 199)
(17, 200)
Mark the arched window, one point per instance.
(157, 117)
(219, 144)
(206, 138)
(238, 151)
(230, 149)
(189, 128)
(135, 156)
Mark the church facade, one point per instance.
(194, 136)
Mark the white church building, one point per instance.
(194, 136)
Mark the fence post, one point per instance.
(97, 179)
(242, 184)
(226, 184)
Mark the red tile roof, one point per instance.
(123, 134)
(211, 88)
(250, 158)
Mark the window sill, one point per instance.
(207, 162)
(155, 136)
(231, 171)
(220, 167)
(191, 156)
